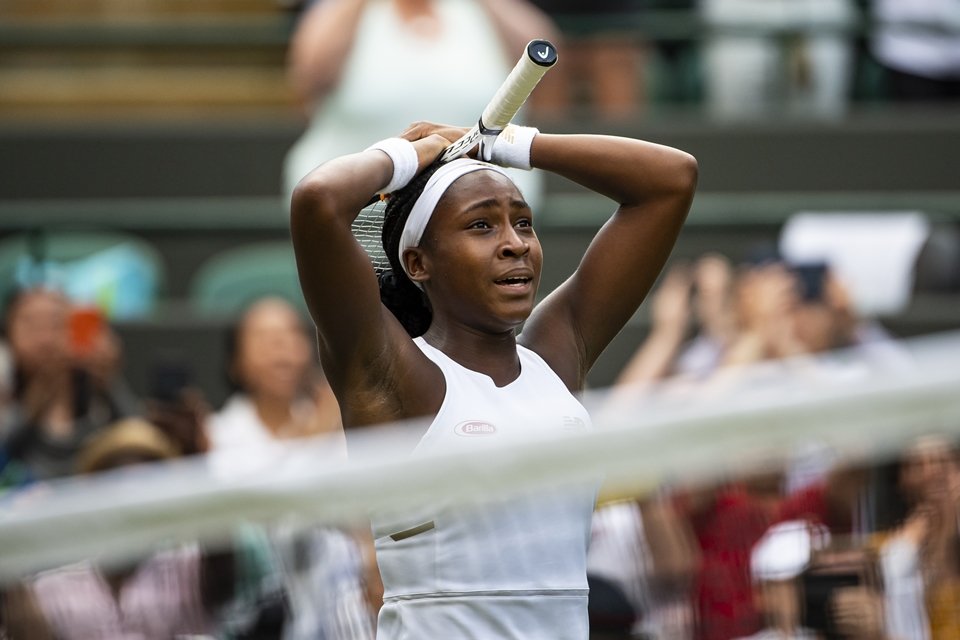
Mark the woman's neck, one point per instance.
(274, 413)
(412, 9)
(418, 15)
(494, 355)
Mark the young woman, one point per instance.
(444, 345)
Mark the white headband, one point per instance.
(436, 186)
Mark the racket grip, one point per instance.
(539, 57)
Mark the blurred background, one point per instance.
(147, 148)
(158, 129)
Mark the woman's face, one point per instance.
(273, 351)
(927, 470)
(480, 257)
(37, 330)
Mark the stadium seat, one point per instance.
(232, 279)
(120, 273)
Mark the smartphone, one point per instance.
(170, 378)
(817, 589)
(85, 325)
(811, 280)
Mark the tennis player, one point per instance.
(437, 337)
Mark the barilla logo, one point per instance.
(475, 428)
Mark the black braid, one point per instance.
(408, 303)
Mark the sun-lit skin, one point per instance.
(480, 260)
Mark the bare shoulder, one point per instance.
(550, 334)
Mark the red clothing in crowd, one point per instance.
(727, 532)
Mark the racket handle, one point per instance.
(536, 60)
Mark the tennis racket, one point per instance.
(538, 57)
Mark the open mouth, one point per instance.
(517, 281)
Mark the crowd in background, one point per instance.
(740, 58)
(67, 411)
(810, 550)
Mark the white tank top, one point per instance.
(394, 76)
(512, 569)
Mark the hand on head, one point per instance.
(431, 139)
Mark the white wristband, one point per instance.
(512, 147)
(405, 162)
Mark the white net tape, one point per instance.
(641, 438)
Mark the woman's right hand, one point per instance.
(431, 139)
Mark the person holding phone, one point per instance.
(65, 382)
(350, 60)
(330, 581)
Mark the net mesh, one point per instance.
(702, 483)
(642, 437)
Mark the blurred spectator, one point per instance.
(182, 418)
(702, 295)
(769, 54)
(617, 563)
(785, 311)
(772, 311)
(171, 593)
(279, 396)
(872, 254)
(129, 442)
(278, 393)
(66, 382)
(776, 563)
(801, 316)
(767, 299)
(604, 63)
(921, 557)
(712, 284)
(366, 69)
(918, 42)
(807, 589)
(177, 405)
(669, 322)
(727, 521)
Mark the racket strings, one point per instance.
(367, 229)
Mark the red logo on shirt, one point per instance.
(475, 428)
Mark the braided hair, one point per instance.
(397, 292)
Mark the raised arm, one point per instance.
(319, 47)
(364, 349)
(654, 186)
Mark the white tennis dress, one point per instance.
(512, 569)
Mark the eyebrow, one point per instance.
(515, 203)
